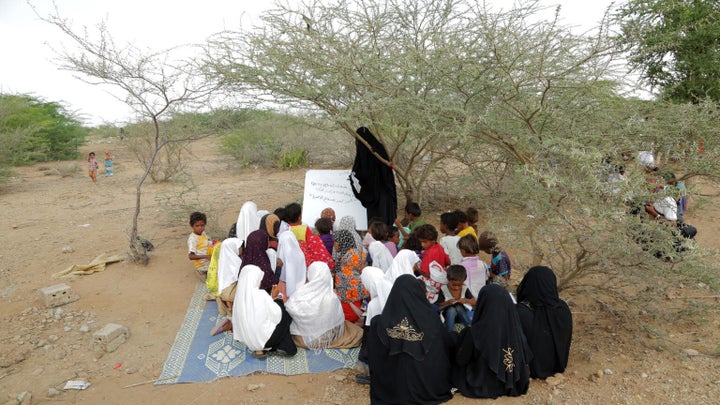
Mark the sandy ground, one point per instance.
(53, 221)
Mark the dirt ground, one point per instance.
(53, 221)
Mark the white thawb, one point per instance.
(316, 311)
(229, 262)
(247, 221)
(403, 263)
(255, 316)
(381, 256)
(293, 259)
(373, 278)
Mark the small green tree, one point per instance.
(674, 45)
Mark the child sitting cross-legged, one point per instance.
(453, 297)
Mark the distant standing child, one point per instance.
(198, 243)
(108, 164)
(499, 259)
(453, 297)
(92, 166)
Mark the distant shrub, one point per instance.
(293, 159)
(251, 147)
(33, 130)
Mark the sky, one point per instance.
(26, 42)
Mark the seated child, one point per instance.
(414, 215)
(499, 259)
(324, 229)
(393, 240)
(198, 244)
(453, 297)
(477, 270)
(434, 261)
(329, 213)
(473, 218)
(293, 216)
(432, 251)
(464, 227)
(368, 239)
(379, 253)
(448, 223)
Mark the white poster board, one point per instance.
(331, 188)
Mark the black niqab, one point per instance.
(492, 358)
(546, 322)
(377, 181)
(407, 349)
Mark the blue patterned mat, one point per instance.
(195, 356)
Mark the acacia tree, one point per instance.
(381, 65)
(155, 85)
(674, 45)
(531, 108)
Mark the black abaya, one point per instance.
(546, 321)
(492, 357)
(377, 181)
(281, 338)
(408, 352)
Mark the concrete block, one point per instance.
(110, 337)
(57, 295)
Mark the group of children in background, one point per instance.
(93, 165)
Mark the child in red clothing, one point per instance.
(432, 251)
(434, 261)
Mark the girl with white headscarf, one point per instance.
(260, 320)
(229, 267)
(378, 286)
(318, 319)
(247, 221)
(403, 263)
(292, 257)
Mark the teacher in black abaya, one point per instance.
(492, 357)
(546, 321)
(372, 181)
(408, 349)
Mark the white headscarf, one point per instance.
(293, 260)
(229, 262)
(247, 221)
(373, 279)
(381, 256)
(316, 310)
(403, 263)
(255, 316)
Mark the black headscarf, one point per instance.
(256, 253)
(497, 334)
(377, 180)
(546, 322)
(408, 324)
